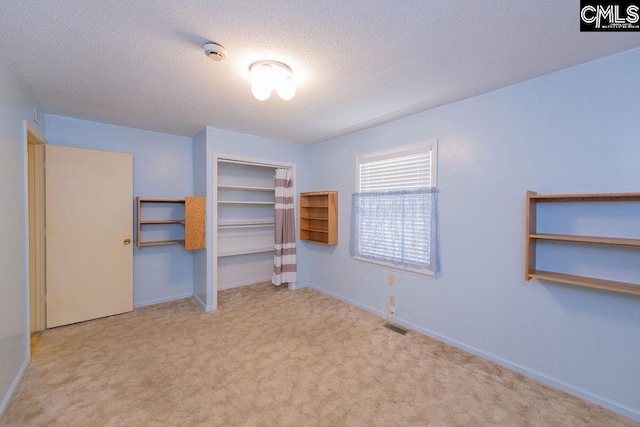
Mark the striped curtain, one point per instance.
(284, 263)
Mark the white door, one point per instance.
(89, 226)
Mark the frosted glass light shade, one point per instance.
(271, 75)
(260, 90)
(286, 89)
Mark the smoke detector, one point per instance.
(215, 51)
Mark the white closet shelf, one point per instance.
(243, 202)
(162, 221)
(161, 243)
(245, 251)
(245, 224)
(245, 188)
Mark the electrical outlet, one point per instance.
(392, 306)
(392, 280)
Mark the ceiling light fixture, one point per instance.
(270, 75)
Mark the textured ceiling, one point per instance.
(357, 63)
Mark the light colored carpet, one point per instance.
(272, 356)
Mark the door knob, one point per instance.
(127, 241)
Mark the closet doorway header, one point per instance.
(253, 163)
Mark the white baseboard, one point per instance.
(247, 283)
(545, 379)
(204, 306)
(294, 286)
(14, 385)
(161, 300)
(347, 300)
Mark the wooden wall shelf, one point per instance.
(607, 197)
(589, 282)
(533, 237)
(194, 222)
(319, 217)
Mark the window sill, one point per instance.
(388, 265)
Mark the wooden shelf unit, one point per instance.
(532, 237)
(319, 217)
(589, 282)
(587, 239)
(194, 222)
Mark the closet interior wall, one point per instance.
(245, 222)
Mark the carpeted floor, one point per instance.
(272, 356)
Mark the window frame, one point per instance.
(399, 152)
(391, 153)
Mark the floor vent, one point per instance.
(395, 328)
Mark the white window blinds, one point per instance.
(393, 214)
(396, 173)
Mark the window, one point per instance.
(393, 212)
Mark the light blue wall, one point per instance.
(162, 168)
(16, 106)
(575, 131)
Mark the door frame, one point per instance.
(35, 228)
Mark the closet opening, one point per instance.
(245, 202)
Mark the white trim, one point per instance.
(161, 300)
(253, 161)
(14, 386)
(387, 265)
(246, 283)
(206, 308)
(212, 247)
(345, 299)
(28, 130)
(545, 379)
(434, 163)
(227, 159)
